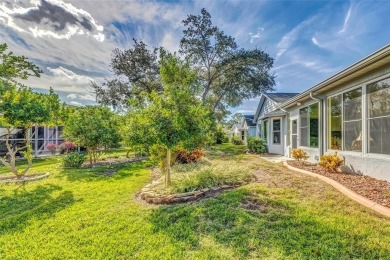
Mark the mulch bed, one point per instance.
(371, 188)
(30, 177)
(112, 161)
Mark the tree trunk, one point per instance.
(90, 156)
(168, 169)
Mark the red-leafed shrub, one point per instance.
(66, 147)
(184, 156)
(52, 148)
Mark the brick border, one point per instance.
(349, 193)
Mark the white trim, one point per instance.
(280, 130)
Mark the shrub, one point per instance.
(237, 140)
(51, 148)
(220, 137)
(184, 156)
(73, 160)
(299, 154)
(66, 147)
(256, 145)
(330, 162)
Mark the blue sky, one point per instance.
(309, 40)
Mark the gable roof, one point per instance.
(238, 126)
(277, 98)
(280, 97)
(249, 120)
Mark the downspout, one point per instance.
(321, 136)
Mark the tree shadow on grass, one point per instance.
(104, 173)
(251, 226)
(17, 209)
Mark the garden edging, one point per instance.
(349, 193)
(31, 178)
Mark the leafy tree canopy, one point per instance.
(12, 66)
(225, 74)
(93, 127)
(173, 117)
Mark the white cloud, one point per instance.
(65, 80)
(346, 20)
(50, 18)
(72, 96)
(257, 35)
(289, 38)
(75, 103)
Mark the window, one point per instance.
(265, 131)
(335, 120)
(303, 115)
(294, 134)
(378, 102)
(243, 135)
(276, 136)
(309, 125)
(352, 120)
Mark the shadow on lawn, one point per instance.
(104, 173)
(249, 225)
(16, 210)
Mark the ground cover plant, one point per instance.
(205, 174)
(87, 214)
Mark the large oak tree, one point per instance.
(225, 74)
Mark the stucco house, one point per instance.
(238, 130)
(249, 125)
(348, 113)
(270, 120)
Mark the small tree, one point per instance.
(173, 118)
(22, 108)
(94, 128)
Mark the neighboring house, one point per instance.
(348, 113)
(238, 130)
(269, 120)
(40, 138)
(249, 125)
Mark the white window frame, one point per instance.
(273, 131)
(363, 87)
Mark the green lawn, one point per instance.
(83, 214)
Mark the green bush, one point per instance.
(256, 145)
(220, 137)
(237, 140)
(73, 160)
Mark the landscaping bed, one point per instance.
(194, 181)
(112, 161)
(30, 177)
(371, 188)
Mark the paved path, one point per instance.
(275, 159)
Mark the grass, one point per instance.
(83, 214)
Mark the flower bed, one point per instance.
(371, 188)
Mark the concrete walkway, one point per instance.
(275, 159)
